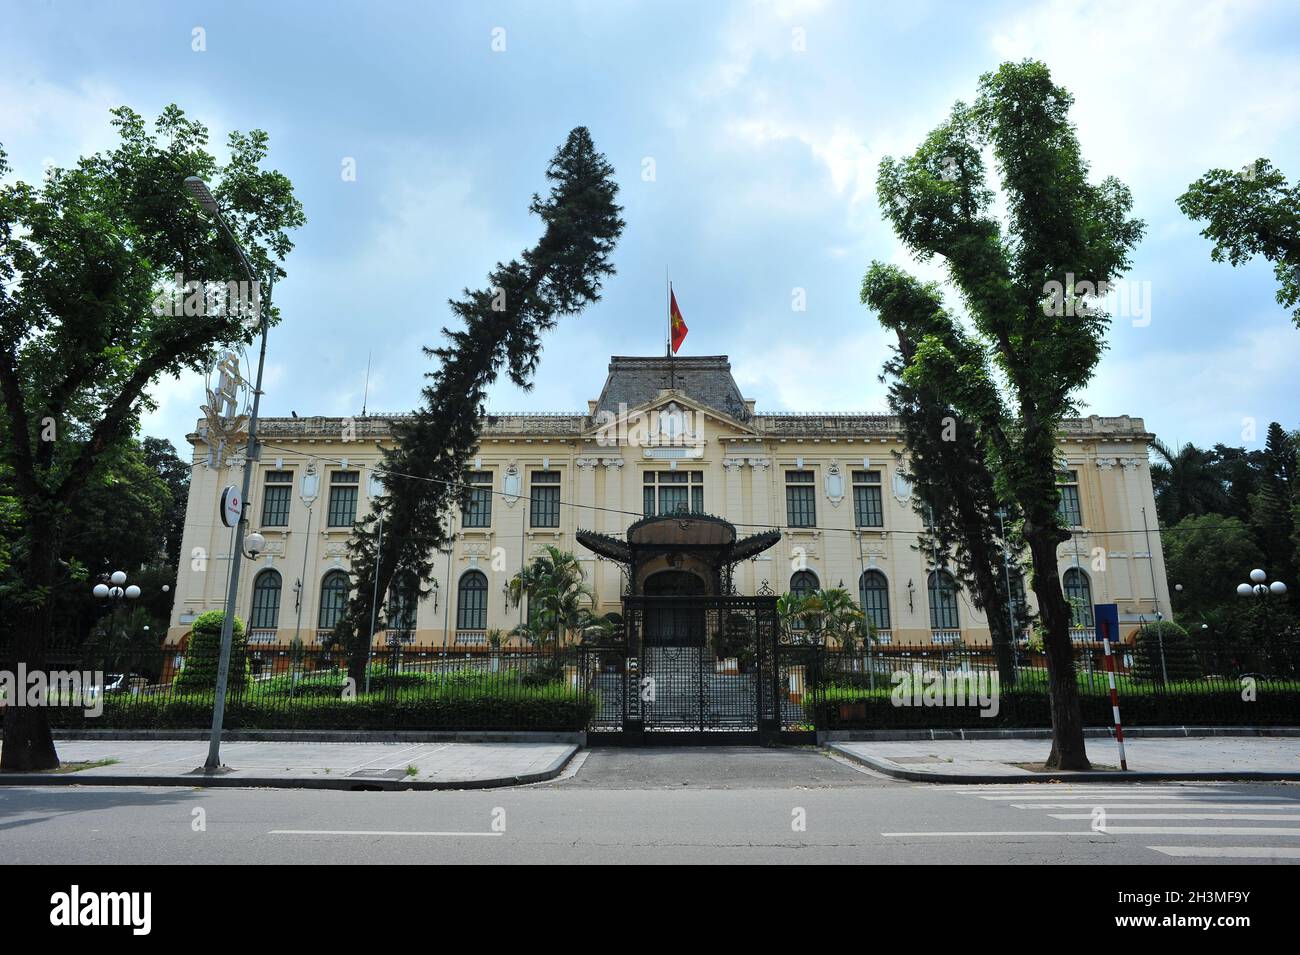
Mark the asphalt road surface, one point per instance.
(712, 805)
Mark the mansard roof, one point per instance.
(634, 381)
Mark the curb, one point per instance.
(1149, 732)
(345, 783)
(1110, 776)
(577, 738)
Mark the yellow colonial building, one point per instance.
(664, 437)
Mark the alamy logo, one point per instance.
(917, 687)
(74, 908)
(75, 688)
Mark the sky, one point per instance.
(745, 138)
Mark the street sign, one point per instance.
(232, 506)
(1106, 619)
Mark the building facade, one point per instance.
(664, 437)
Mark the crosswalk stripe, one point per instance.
(1108, 806)
(1117, 830)
(1229, 852)
(1084, 797)
(1261, 817)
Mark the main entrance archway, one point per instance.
(696, 662)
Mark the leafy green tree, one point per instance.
(84, 334)
(1038, 335)
(160, 454)
(1273, 506)
(946, 462)
(1208, 555)
(502, 328)
(127, 640)
(1250, 212)
(1186, 482)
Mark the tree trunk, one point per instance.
(996, 604)
(28, 744)
(1068, 751)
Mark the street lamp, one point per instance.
(201, 194)
(114, 589)
(1258, 588)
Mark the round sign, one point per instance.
(232, 508)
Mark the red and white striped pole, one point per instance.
(1114, 695)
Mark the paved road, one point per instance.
(659, 805)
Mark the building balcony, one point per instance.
(945, 636)
(262, 636)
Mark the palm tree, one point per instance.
(1185, 482)
(554, 587)
(839, 615)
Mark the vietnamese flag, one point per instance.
(676, 323)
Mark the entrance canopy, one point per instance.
(705, 544)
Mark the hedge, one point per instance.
(837, 707)
(519, 711)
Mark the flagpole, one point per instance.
(672, 359)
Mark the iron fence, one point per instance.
(296, 687)
(737, 675)
(1183, 683)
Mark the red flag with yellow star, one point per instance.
(676, 323)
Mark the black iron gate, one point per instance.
(695, 669)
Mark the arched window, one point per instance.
(403, 596)
(873, 592)
(1078, 592)
(333, 599)
(266, 601)
(943, 601)
(471, 602)
(802, 583)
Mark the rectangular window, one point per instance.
(479, 511)
(800, 499)
(672, 492)
(867, 508)
(343, 498)
(1068, 484)
(276, 497)
(545, 499)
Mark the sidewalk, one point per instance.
(1014, 760)
(451, 765)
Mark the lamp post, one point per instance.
(449, 545)
(1258, 588)
(307, 491)
(114, 589)
(200, 192)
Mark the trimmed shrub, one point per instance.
(1181, 661)
(203, 655)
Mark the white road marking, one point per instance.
(1028, 832)
(1085, 797)
(1121, 830)
(1228, 852)
(1262, 817)
(1190, 804)
(371, 832)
